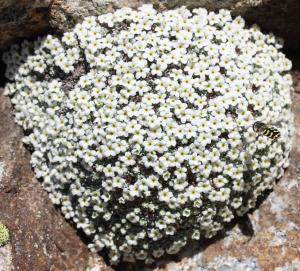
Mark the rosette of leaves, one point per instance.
(141, 124)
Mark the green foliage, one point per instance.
(4, 234)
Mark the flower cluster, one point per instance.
(141, 124)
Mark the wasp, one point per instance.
(266, 130)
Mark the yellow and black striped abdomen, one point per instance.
(271, 132)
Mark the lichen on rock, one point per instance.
(4, 234)
(141, 124)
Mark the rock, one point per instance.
(41, 239)
(5, 258)
(22, 19)
(29, 18)
(65, 13)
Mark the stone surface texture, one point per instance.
(5, 258)
(28, 18)
(22, 19)
(65, 13)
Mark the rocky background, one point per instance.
(268, 239)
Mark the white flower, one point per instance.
(165, 195)
(193, 192)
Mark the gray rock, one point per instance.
(64, 14)
(5, 258)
